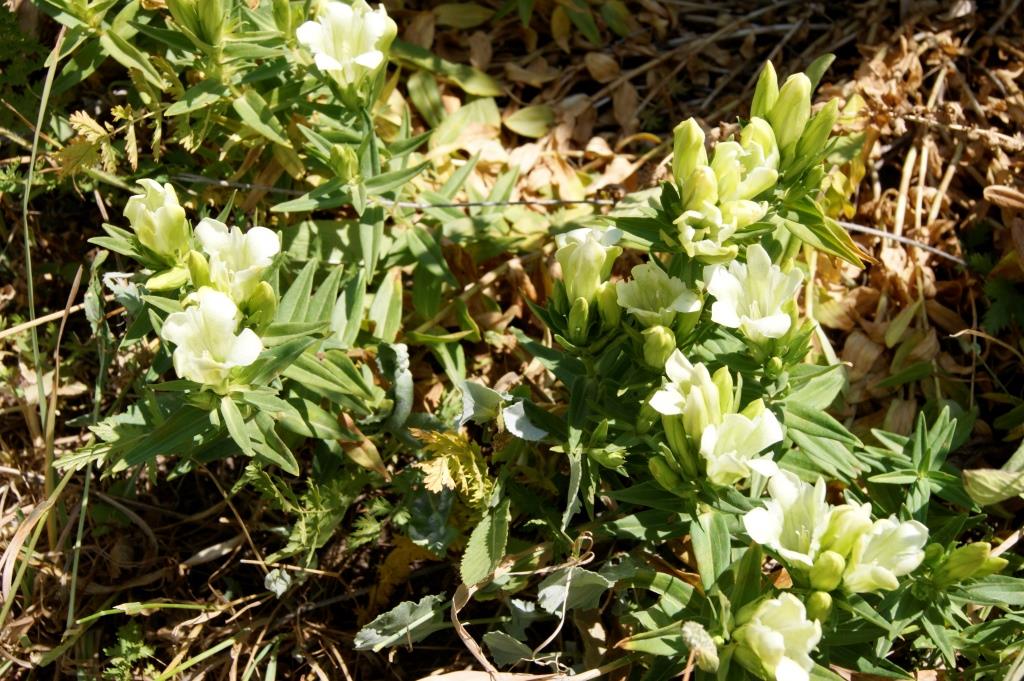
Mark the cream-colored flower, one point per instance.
(889, 550)
(586, 257)
(732, 449)
(754, 297)
(349, 43)
(654, 298)
(207, 346)
(777, 640)
(794, 521)
(237, 260)
(159, 221)
(692, 392)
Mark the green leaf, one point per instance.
(386, 309)
(200, 96)
(406, 623)
(295, 301)
(385, 182)
(255, 113)
(532, 121)
(996, 590)
(709, 534)
(462, 14)
(486, 546)
(483, 112)
(471, 80)
(235, 424)
(571, 588)
(817, 423)
(506, 650)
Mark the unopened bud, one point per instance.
(688, 152)
(262, 304)
(198, 269)
(819, 605)
(962, 563)
(579, 318)
(659, 343)
(790, 113)
(827, 571)
(811, 145)
(675, 435)
(608, 306)
(766, 93)
(699, 188)
(663, 474)
(169, 279)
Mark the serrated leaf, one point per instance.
(486, 546)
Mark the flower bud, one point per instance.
(608, 306)
(659, 343)
(700, 188)
(168, 280)
(159, 221)
(811, 145)
(722, 378)
(579, 318)
(819, 605)
(663, 474)
(262, 304)
(827, 571)
(688, 152)
(766, 93)
(966, 562)
(198, 269)
(586, 257)
(790, 113)
(684, 455)
(282, 15)
(702, 646)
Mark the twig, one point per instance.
(54, 316)
(854, 227)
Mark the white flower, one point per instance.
(653, 297)
(794, 521)
(159, 220)
(692, 392)
(703, 234)
(846, 524)
(752, 296)
(731, 448)
(237, 259)
(777, 640)
(890, 549)
(206, 345)
(586, 257)
(349, 42)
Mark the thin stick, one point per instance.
(50, 73)
(854, 227)
(52, 317)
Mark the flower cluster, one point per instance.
(833, 545)
(226, 275)
(699, 414)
